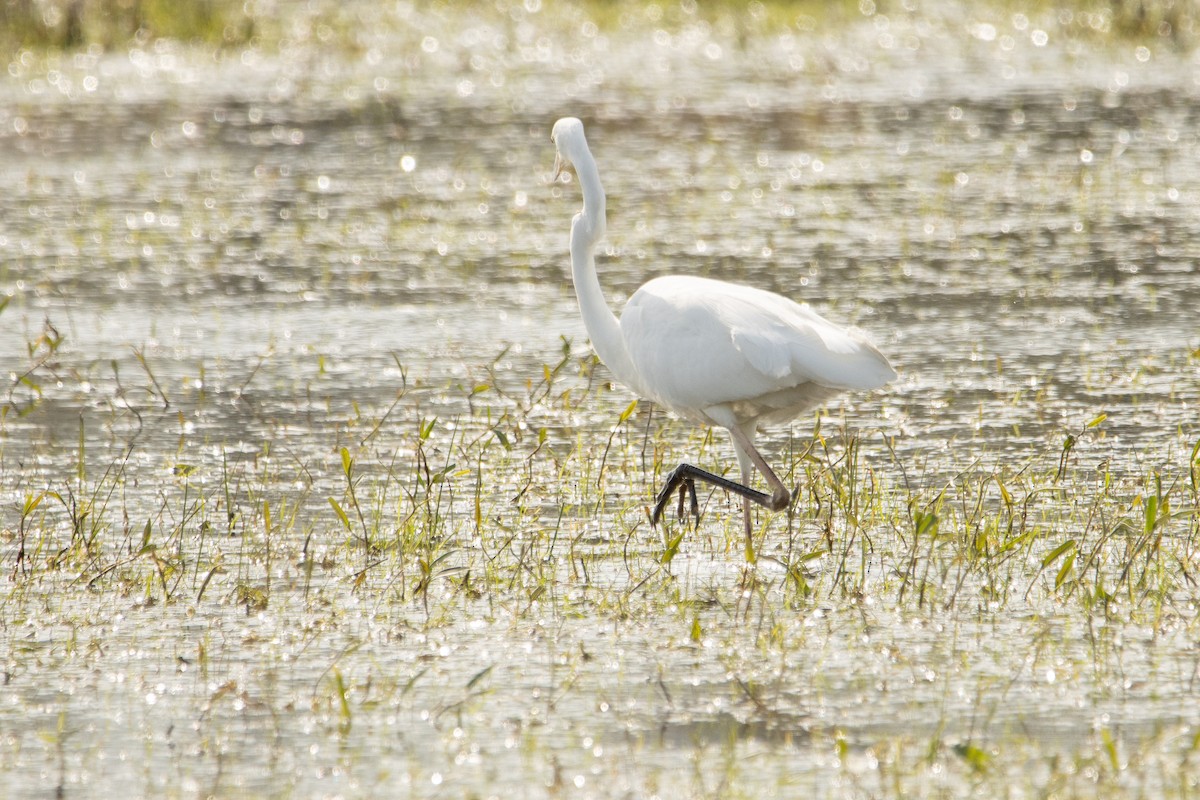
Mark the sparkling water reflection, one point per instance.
(223, 269)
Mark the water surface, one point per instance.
(223, 270)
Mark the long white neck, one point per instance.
(587, 229)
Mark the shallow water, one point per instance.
(255, 260)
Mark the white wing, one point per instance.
(752, 344)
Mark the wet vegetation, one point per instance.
(310, 485)
(75, 24)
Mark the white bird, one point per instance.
(713, 352)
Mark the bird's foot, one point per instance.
(660, 502)
(781, 498)
(688, 490)
(678, 479)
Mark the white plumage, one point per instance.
(714, 352)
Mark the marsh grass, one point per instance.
(1066, 522)
(75, 24)
(67, 25)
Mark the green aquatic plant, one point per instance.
(25, 389)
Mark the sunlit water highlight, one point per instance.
(256, 260)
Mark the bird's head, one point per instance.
(569, 142)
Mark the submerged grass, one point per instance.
(426, 551)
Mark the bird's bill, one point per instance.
(560, 166)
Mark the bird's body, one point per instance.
(713, 352)
(761, 356)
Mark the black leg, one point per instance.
(684, 477)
